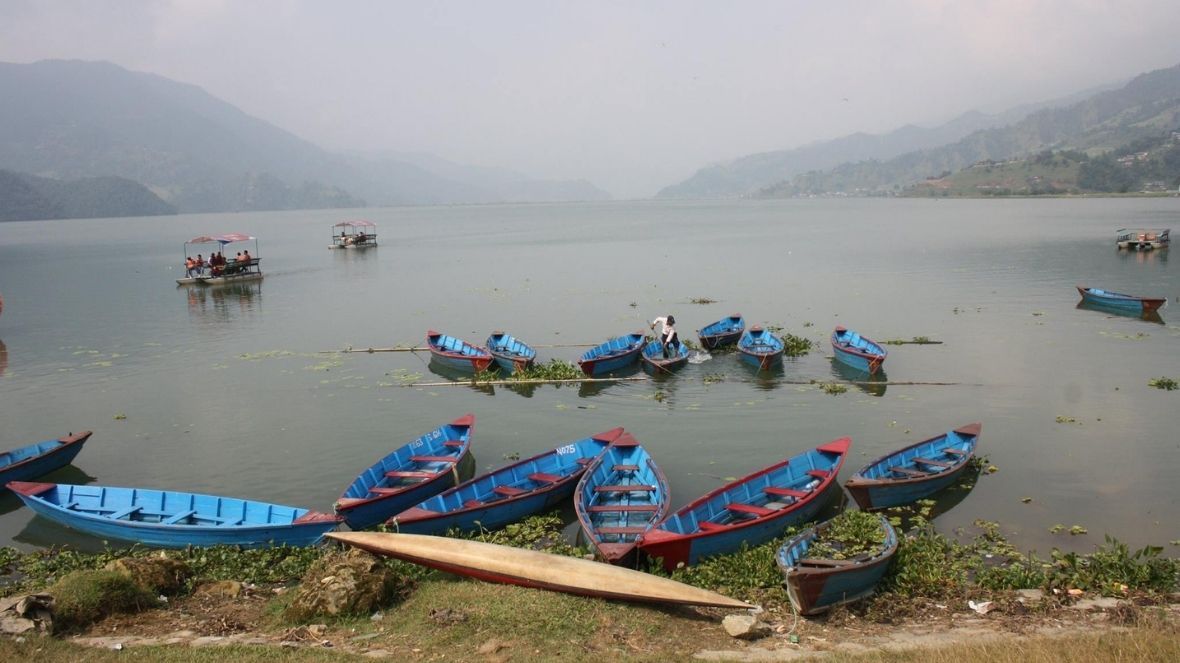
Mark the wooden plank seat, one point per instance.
(434, 459)
(749, 509)
(71, 506)
(508, 491)
(176, 518)
(775, 506)
(786, 492)
(709, 526)
(622, 508)
(819, 561)
(124, 513)
(819, 474)
(905, 471)
(454, 444)
(544, 477)
(954, 452)
(934, 463)
(630, 488)
(378, 490)
(470, 504)
(403, 474)
(585, 461)
(625, 468)
(621, 530)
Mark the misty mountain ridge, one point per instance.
(749, 174)
(75, 119)
(27, 197)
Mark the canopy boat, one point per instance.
(509, 493)
(725, 331)
(817, 584)
(40, 458)
(760, 348)
(172, 519)
(420, 469)
(491, 562)
(655, 363)
(614, 355)
(857, 351)
(915, 472)
(751, 510)
(511, 354)
(457, 354)
(220, 272)
(1142, 239)
(1120, 301)
(357, 234)
(622, 495)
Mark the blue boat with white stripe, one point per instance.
(511, 354)
(40, 458)
(172, 519)
(508, 494)
(761, 348)
(621, 495)
(815, 585)
(854, 350)
(614, 355)
(917, 471)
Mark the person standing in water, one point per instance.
(668, 337)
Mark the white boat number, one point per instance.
(567, 449)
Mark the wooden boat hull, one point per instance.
(510, 354)
(408, 475)
(725, 331)
(1120, 301)
(456, 354)
(622, 494)
(875, 487)
(760, 348)
(41, 458)
(509, 494)
(142, 515)
(529, 568)
(814, 589)
(744, 512)
(856, 351)
(654, 362)
(612, 356)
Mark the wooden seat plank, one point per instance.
(786, 492)
(544, 477)
(934, 463)
(434, 459)
(750, 509)
(908, 472)
(819, 474)
(175, 519)
(629, 488)
(625, 468)
(709, 526)
(818, 561)
(954, 452)
(508, 491)
(621, 508)
(621, 530)
(453, 443)
(126, 512)
(401, 474)
(378, 490)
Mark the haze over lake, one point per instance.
(237, 391)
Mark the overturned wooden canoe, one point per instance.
(529, 568)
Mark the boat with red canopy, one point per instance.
(216, 269)
(358, 234)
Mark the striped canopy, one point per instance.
(358, 224)
(228, 238)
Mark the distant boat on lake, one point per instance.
(235, 270)
(359, 234)
(1143, 239)
(1118, 300)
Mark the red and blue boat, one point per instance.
(172, 519)
(815, 585)
(622, 494)
(1118, 300)
(508, 494)
(457, 354)
(511, 354)
(40, 458)
(761, 348)
(854, 350)
(915, 472)
(751, 510)
(422, 468)
(614, 355)
(655, 363)
(725, 331)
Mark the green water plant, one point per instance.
(848, 535)
(796, 346)
(1164, 383)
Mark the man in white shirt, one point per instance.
(668, 337)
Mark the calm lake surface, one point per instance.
(236, 391)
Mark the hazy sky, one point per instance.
(629, 95)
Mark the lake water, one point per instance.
(234, 391)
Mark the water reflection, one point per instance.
(912, 515)
(457, 376)
(1144, 257)
(764, 380)
(3, 358)
(1146, 316)
(223, 303)
(873, 385)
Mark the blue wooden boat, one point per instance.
(915, 472)
(510, 353)
(507, 494)
(761, 348)
(751, 510)
(172, 519)
(655, 363)
(1120, 301)
(420, 469)
(457, 354)
(621, 495)
(725, 331)
(857, 351)
(40, 458)
(614, 355)
(815, 584)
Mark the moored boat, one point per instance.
(457, 354)
(750, 510)
(491, 562)
(357, 234)
(857, 351)
(815, 585)
(40, 458)
(614, 355)
(411, 473)
(218, 270)
(510, 353)
(761, 348)
(508, 494)
(915, 472)
(655, 363)
(725, 331)
(622, 494)
(1120, 301)
(173, 519)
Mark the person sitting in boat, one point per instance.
(360, 238)
(246, 257)
(190, 266)
(200, 264)
(668, 337)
